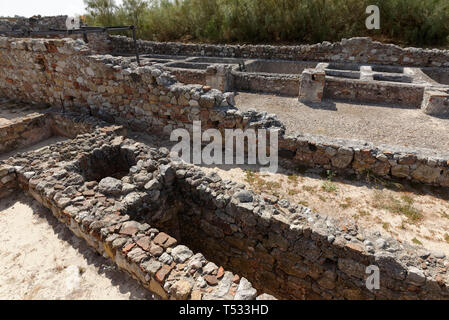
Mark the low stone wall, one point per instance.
(151, 100)
(8, 181)
(65, 179)
(349, 157)
(401, 94)
(98, 42)
(36, 23)
(24, 131)
(436, 102)
(64, 72)
(294, 253)
(354, 50)
(189, 76)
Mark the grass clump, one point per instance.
(328, 185)
(347, 203)
(261, 185)
(404, 205)
(416, 241)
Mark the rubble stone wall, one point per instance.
(354, 50)
(23, 132)
(102, 213)
(376, 92)
(150, 99)
(291, 252)
(98, 42)
(36, 23)
(272, 83)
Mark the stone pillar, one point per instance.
(311, 85)
(219, 77)
(436, 102)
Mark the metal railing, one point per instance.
(83, 30)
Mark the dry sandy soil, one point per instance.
(372, 123)
(40, 258)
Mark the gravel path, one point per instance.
(377, 124)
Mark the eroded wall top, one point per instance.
(354, 50)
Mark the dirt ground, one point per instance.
(372, 123)
(40, 258)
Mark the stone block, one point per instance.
(311, 85)
(435, 102)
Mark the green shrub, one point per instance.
(411, 22)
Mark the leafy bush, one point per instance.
(412, 22)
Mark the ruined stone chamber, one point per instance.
(184, 234)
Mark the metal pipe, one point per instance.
(135, 45)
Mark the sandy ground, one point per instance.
(40, 258)
(373, 123)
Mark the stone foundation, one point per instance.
(74, 180)
(281, 248)
(23, 132)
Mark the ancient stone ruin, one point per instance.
(187, 234)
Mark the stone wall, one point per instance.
(149, 99)
(293, 253)
(398, 94)
(8, 181)
(354, 50)
(23, 132)
(99, 42)
(281, 84)
(100, 210)
(36, 23)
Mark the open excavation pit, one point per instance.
(184, 232)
